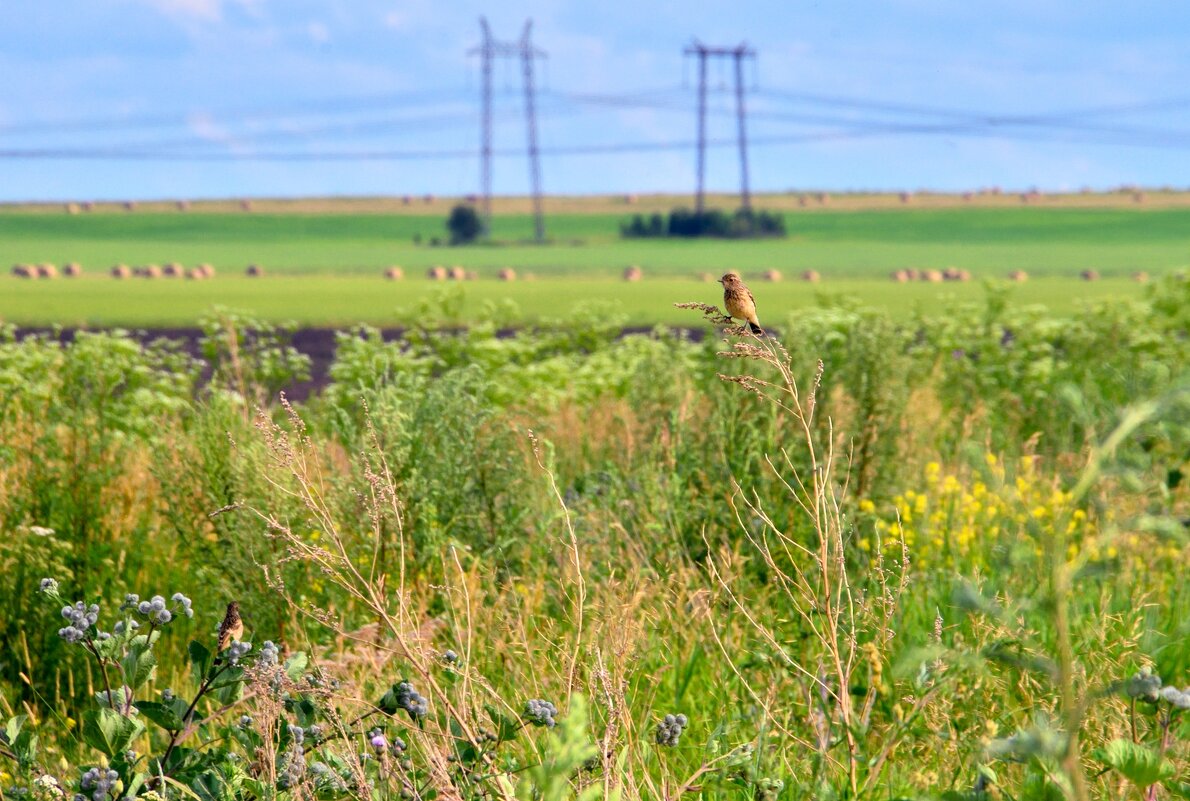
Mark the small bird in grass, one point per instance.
(232, 627)
(739, 302)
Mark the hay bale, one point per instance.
(1140, 277)
(72, 208)
(254, 271)
(912, 273)
(150, 271)
(1020, 276)
(471, 275)
(1089, 275)
(506, 274)
(72, 269)
(811, 276)
(88, 206)
(952, 274)
(824, 198)
(120, 272)
(1138, 197)
(772, 276)
(930, 276)
(802, 201)
(129, 205)
(394, 273)
(906, 198)
(406, 200)
(47, 270)
(23, 271)
(428, 199)
(967, 196)
(1024, 196)
(900, 276)
(207, 270)
(631, 200)
(436, 273)
(173, 270)
(456, 273)
(196, 274)
(633, 273)
(183, 205)
(472, 198)
(245, 205)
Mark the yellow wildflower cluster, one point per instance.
(953, 521)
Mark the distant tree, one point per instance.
(464, 224)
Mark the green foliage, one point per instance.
(464, 224)
(744, 224)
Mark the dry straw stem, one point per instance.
(851, 633)
(297, 474)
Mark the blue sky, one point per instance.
(904, 94)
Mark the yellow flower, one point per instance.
(866, 505)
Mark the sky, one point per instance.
(115, 99)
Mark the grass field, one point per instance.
(324, 267)
(321, 300)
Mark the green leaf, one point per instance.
(163, 714)
(13, 728)
(139, 665)
(109, 732)
(200, 660)
(296, 665)
(1140, 765)
(506, 727)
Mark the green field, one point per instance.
(323, 300)
(324, 268)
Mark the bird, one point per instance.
(739, 302)
(232, 627)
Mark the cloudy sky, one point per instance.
(224, 98)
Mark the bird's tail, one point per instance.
(756, 329)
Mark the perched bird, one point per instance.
(739, 302)
(232, 627)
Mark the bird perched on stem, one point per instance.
(232, 627)
(739, 302)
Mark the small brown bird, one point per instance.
(739, 302)
(232, 627)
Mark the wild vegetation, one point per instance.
(937, 557)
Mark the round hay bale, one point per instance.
(72, 269)
(633, 273)
(824, 198)
(951, 274)
(428, 198)
(173, 270)
(772, 276)
(183, 205)
(72, 208)
(631, 200)
(471, 275)
(406, 200)
(995, 190)
(906, 198)
(88, 206)
(963, 275)
(47, 270)
(129, 205)
(254, 271)
(930, 276)
(1138, 197)
(472, 198)
(120, 272)
(802, 201)
(23, 271)
(456, 273)
(196, 274)
(394, 273)
(150, 271)
(811, 276)
(207, 270)
(1140, 277)
(967, 196)
(506, 274)
(1089, 275)
(436, 273)
(245, 205)
(900, 276)
(1020, 276)
(1024, 196)
(912, 273)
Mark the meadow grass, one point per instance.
(343, 300)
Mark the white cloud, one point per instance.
(318, 32)
(396, 20)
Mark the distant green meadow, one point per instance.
(325, 269)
